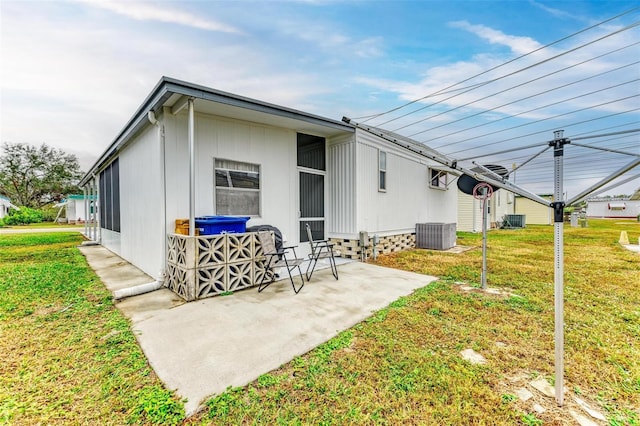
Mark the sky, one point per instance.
(73, 72)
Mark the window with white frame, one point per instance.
(382, 171)
(237, 188)
(437, 179)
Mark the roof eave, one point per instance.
(168, 86)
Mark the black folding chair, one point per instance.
(320, 249)
(277, 259)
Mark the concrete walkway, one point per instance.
(30, 230)
(201, 348)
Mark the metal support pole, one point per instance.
(91, 196)
(192, 169)
(558, 292)
(485, 213)
(87, 208)
(95, 222)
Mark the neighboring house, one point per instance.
(470, 210)
(621, 207)
(191, 151)
(5, 204)
(535, 213)
(76, 209)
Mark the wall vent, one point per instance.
(436, 236)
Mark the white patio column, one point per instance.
(90, 225)
(86, 208)
(192, 169)
(94, 184)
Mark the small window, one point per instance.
(438, 179)
(382, 171)
(237, 188)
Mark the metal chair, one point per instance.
(277, 259)
(320, 249)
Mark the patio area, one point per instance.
(202, 347)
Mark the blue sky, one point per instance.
(73, 72)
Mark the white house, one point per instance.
(192, 151)
(535, 213)
(470, 210)
(621, 207)
(76, 208)
(5, 204)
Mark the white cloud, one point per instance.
(152, 12)
(554, 11)
(520, 45)
(331, 39)
(75, 86)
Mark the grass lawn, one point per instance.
(69, 356)
(402, 365)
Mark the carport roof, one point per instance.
(173, 93)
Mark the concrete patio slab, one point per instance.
(200, 348)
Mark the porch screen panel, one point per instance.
(102, 191)
(311, 153)
(311, 195)
(109, 197)
(115, 196)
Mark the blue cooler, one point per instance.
(212, 225)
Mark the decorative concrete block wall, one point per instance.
(208, 265)
(350, 248)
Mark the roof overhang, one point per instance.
(173, 93)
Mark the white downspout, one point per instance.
(192, 169)
(161, 140)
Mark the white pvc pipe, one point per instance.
(136, 290)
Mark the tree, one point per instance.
(35, 176)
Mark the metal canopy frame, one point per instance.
(557, 205)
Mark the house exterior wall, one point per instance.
(154, 185)
(76, 210)
(470, 210)
(341, 209)
(600, 208)
(469, 213)
(536, 213)
(272, 148)
(4, 206)
(408, 198)
(141, 237)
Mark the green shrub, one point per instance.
(23, 216)
(49, 213)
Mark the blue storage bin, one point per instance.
(211, 225)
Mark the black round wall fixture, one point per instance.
(466, 183)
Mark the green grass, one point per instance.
(402, 365)
(68, 355)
